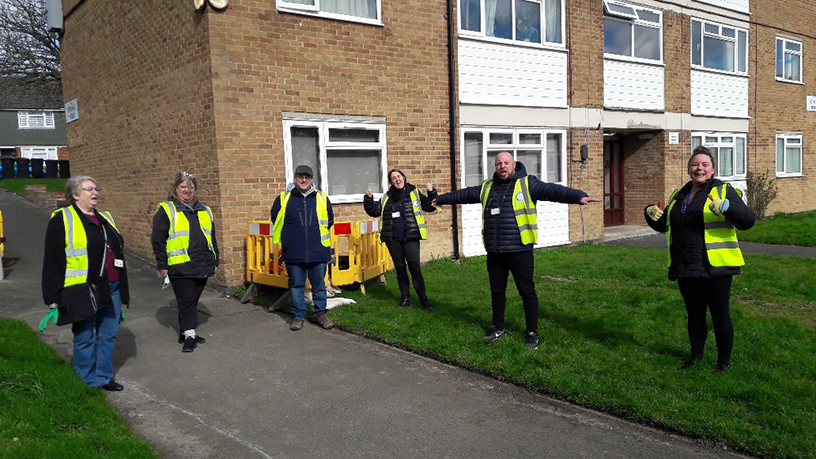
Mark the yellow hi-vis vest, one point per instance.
(524, 209)
(76, 245)
(178, 238)
(322, 218)
(418, 214)
(722, 247)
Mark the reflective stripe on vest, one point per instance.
(76, 247)
(178, 237)
(524, 209)
(416, 204)
(321, 207)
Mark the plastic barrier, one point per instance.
(2, 246)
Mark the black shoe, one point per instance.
(199, 339)
(531, 340)
(112, 386)
(189, 344)
(426, 304)
(405, 301)
(493, 333)
(690, 363)
(721, 367)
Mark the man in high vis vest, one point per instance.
(303, 218)
(509, 232)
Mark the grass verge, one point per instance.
(18, 185)
(787, 229)
(613, 331)
(48, 412)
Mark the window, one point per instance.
(541, 152)
(788, 60)
(728, 151)
(632, 31)
(346, 157)
(35, 120)
(353, 10)
(788, 155)
(529, 21)
(719, 47)
(39, 152)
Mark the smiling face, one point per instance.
(397, 180)
(700, 169)
(186, 191)
(303, 182)
(87, 200)
(505, 166)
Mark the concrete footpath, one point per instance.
(255, 389)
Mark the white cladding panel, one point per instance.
(735, 5)
(553, 227)
(633, 85)
(498, 74)
(718, 94)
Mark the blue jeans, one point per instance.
(93, 356)
(297, 285)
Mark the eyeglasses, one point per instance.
(91, 189)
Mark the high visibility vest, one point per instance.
(322, 218)
(524, 209)
(178, 237)
(418, 214)
(722, 247)
(76, 245)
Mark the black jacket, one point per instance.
(300, 236)
(53, 274)
(202, 261)
(501, 233)
(687, 247)
(404, 228)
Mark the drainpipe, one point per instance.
(452, 126)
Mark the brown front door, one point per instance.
(613, 184)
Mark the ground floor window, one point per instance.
(38, 152)
(346, 157)
(788, 155)
(728, 150)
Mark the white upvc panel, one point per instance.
(499, 74)
(735, 5)
(633, 85)
(553, 227)
(719, 94)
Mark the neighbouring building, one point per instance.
(32, 121)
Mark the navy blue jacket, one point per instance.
(501, 233)
(300, 237)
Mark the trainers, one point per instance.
(323, 320)
(493, 333)
(531, 340)
(296, 325)
(189, 344)
(199, 339)
(405, 301)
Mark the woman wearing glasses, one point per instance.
(186, 251)
(84, 276)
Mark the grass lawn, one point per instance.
(613, 331)
(46, 411)
(788, 229)
(17, 185)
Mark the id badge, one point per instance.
(395, 214)
(118, 263)
(495, 211)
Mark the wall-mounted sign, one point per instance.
(811, 103)
(71, 111)
(674, 138)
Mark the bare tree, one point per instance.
(29, 53)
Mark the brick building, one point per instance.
(32, 121)
(603, 95)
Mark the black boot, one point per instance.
(426, 304)
(405, 301)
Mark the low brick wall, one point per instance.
(45, 199)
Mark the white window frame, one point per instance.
(314, 10)
(740, 59)
(705, 139)
(326, 145)
(788, 138)
(481, 34)
(489, 149)
(35, 120)
(785, 52)
(39, 152)
(633, 20)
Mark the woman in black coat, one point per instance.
(401, 211)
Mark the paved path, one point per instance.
(256, 389)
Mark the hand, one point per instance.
(53, 313)
(122, 316)
(162, 273)
(52, 306)
(429, 186)
(216, 269)
(655, 212)
(368, 192)
(433, 202)
(587, 200)
(718, 206)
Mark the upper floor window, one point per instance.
(632, 31)
(346, 157)
(530, 21)
(353, 10)
(35, 120)
(728, 151)
(788, 60)
(718, 46)
(788, 155)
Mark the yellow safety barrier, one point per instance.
(358, 255)
(2, 238)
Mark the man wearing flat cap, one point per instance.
(303, 217)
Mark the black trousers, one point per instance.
(701, 293)
(188, 292)
(407, 253)
(520, 264)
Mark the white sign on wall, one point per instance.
(674, 138)
(811, 103)
(71, 111)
